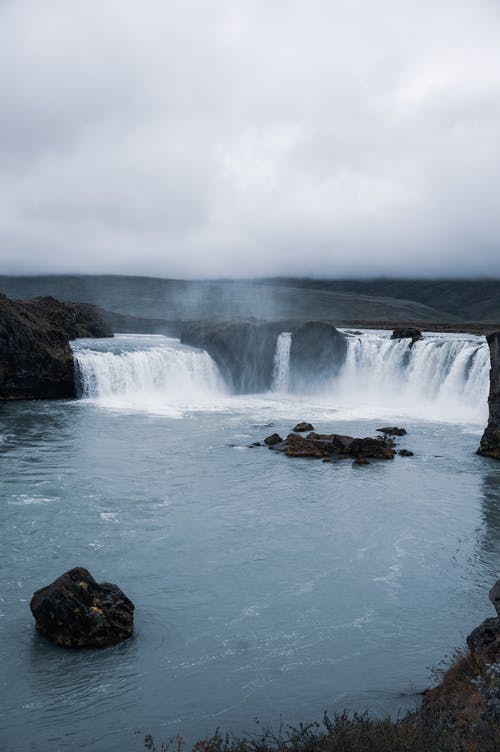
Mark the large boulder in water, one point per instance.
(36, 361)
(76, 611)
(490, 441)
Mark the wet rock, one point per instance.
(76, 611)
(495, 596)
(298, 446)
(301, 427)
(335, 446)
(485, 639)
(361, 461)
(490, 441)
(273, 439)
(407, 333)
(392, 431)
(378, 448)
(255, 444)
(405, 453)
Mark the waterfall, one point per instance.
(281, 369)
(442, 376)
(136, 370)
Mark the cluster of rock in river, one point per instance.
(333, 446)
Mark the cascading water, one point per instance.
(144, 371)
(441, 376)
(281, 369)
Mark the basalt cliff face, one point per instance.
(245, 351)
(35, 357)
(490, 441)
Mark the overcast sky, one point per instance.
(194, 138)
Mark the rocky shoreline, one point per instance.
(490, 441)
(460, 714)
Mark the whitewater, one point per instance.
(441, 377)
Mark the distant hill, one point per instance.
(339, 301)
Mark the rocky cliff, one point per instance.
(490, 441)
(245, 351)
(35, 357)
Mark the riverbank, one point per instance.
(460, 714)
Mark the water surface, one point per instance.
(264, 587)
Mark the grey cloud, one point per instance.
(232, 138)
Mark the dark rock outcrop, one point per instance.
(405, 453)
(35, 357)
(243, 350)
(273, 439)
(407, 333)
(495, 596)
(392, 431)
(335, 446)
(490, 441)
(304, 426)
(76, 611)
(485, 639)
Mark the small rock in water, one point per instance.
(304, 426)
(361, 461)
(405, 453)
(273, 439)
(392, 431)
(76, 611)
(255, 444)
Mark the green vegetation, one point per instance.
(460, 714)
